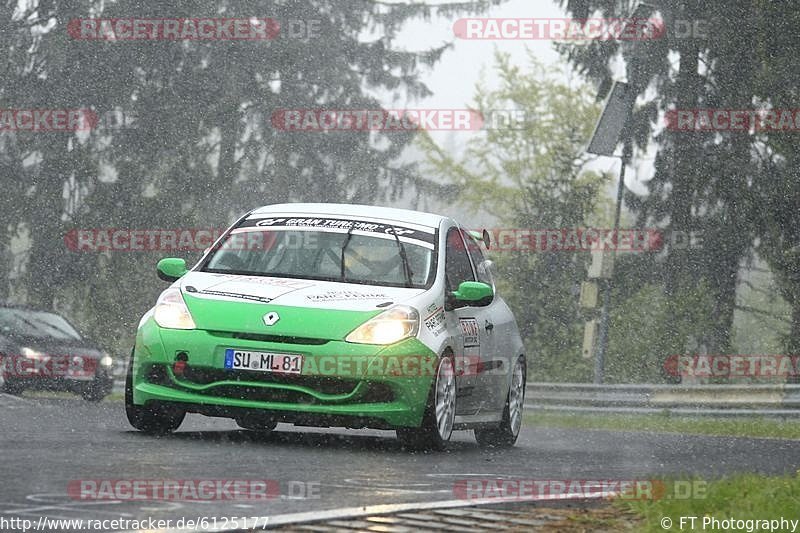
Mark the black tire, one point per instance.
(506, 433)
(7, 384)
(154, 421)
(430, 435)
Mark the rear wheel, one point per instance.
(440, 412)
(505, 435)
(157, 420)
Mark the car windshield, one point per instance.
(371, 259)
(36, 324)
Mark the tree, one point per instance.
(201, 149)
(777, 187)
(702, 179)
(534, 176)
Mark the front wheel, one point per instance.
(505, 434)
(155, 421)
(440, 412)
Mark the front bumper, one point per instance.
(341, 384)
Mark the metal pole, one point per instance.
(602, 337)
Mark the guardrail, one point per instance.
(781, 400)
(706, 400)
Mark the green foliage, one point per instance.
(638, 347)
(764, 324)
(536, 177)
(748, 497)
(533, 176)
(665, 422)
(541, 289)
(200, 148)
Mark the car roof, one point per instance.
(355, 210)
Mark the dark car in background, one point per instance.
(41, 350)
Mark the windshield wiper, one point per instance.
(406, 266)
(344, 247)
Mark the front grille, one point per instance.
(157, 375)
(371, 392)
(377, 393)
(324, 384)
(282, 339)
(261, 394)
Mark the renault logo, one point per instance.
(270, 318)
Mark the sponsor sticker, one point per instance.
(341, 225)
(345, 295)
(435, 321)
(469, 331)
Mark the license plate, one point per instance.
(283, 363)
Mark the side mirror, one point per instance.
(473, 291)
(171, 268)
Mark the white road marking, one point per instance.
(369, 510)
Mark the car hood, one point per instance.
(306, 308)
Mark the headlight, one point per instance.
(30, 353)
(106, 361)
(171, 311)
(393, 325)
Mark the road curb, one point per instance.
(346, 513)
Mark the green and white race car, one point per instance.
(334, 315)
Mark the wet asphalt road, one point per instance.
(46, 443)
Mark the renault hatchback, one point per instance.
(333, 315)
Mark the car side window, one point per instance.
(478, 259)
(457, 267)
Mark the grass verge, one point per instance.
(749, 498)
(666, 423)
